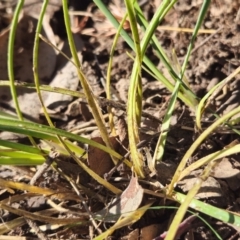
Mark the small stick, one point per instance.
(36, 229)
(206, 40)
(85, 205)
(111, 103)
(49, 160)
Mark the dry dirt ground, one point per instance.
(214, 57)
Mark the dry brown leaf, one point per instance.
(85, 112)
(151, 231)
(122, 130)
(99, 161)
(129, 200)
(123, 135)
(79, 107)
(148, 232)
(3, 54)
(135, 234)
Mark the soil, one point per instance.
(214, 57)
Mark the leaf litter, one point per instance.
(210, 62)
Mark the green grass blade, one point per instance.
(202, 13)
(85, 85)
(199, 22)
(160, 147)
(150, 28)
(133, 132)
(184, 206)
(215, 212)
(35, 61)
(211, 157)
(193, 213)
(10, 66)
(108, 78)
(46, 88)
(146, 60)
(136, 78)
(134, 105)
(134, 29)
(7, 115)
(28, 160)
(20, 147)
(197, 142)
(49, 133)
(11, 41)
(202, 107)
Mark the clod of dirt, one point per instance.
(73, 170)
(66, 77)
(225, 169)
(33, 7)
(209, 188)
(36, 202)
(165, 171)
(79, 108)
(22, 60)
(122, 87)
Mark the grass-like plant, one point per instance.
(20, 154)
